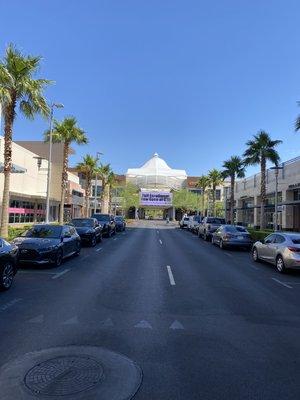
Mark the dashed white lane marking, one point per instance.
(160, 241)
(37, 320)
(282, 283)
(143, 325)
(171, 277)
(10, 304)
(60, 273)
(176, 325)
(228, 254)
(99, 249)
(157, 232)
(71, 321)
(115, 239)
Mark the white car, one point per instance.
(184, 222)
(194, 223)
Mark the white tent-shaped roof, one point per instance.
(156, 173)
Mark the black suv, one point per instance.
(89, 230)
(108, 223)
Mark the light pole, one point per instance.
(98, 154)
(276, 169)
(56, 105)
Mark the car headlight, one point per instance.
(47, 248)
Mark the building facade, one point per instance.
(247, 197)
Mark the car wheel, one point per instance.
(58, 258)
(93, 241)
(78, 249)
(280, 264)
(100, 237)
(222, 246)
(6, 276)
(205, 236)
(255, 257)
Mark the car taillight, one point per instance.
(294, 249)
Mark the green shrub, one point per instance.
(14, 232)
(257, 234)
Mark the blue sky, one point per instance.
(190, 79)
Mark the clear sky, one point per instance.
(190, 79)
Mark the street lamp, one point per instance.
(276, 168)
(98, 154)
(56, 105)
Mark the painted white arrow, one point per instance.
(143, 325)
(71, 321)
(37, 320)
(176, 325)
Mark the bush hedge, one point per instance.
(257, 234)
(14, 232)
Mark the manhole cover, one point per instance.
(70, 372)
(64, 375)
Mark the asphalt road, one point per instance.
(200, 322)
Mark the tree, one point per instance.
(260, 150)
(18, 88)
(203, 184)
(233, 168)
(215, 179)
(186, 200)
(130, 196)
(66, 132)
(108, 178)
(88, 168)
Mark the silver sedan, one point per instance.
(281, 249)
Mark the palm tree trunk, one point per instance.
(214, 201)
(8, 124)
(231, 199)
(105, 209)
(64, 181)
(262, 193)
(87, 196)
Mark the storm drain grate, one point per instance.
(65, 375)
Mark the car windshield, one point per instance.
(44, 231)
(236, 229)
(119, 219)
(101, 217)
(296, 239)
(83, 222)
(216, 221)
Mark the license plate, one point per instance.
(240, 237)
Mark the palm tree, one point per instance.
(233, 168)
(107, 177)
(66, 132)
(18, 88)
(260, 150)
(203, 184)
(215, 179)
(88, 168)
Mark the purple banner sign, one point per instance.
(156, 199)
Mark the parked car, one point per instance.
(232, 236)
(108, 223)
(183, 223)
(209, 225)
(120, 223)
(89, 230)
(48, 244)
(281, 249)
(194, 223)
(8, 263)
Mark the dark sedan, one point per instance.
(120, 223)
(89, 230)
(108, 223)
(48, 244)
(232, 236)
(8, 263)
